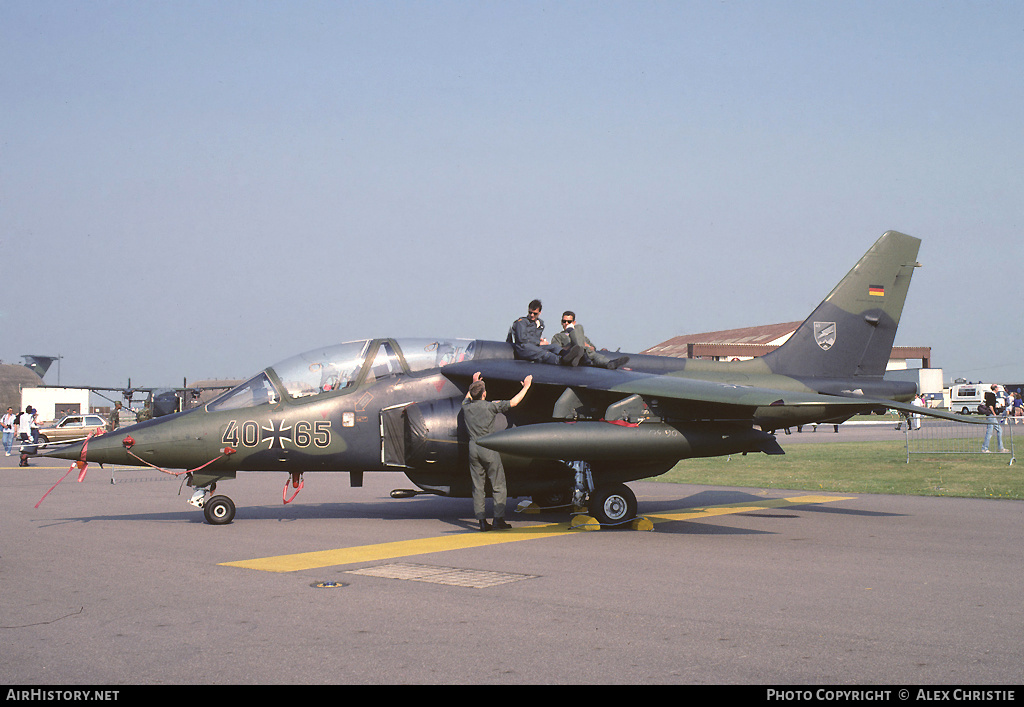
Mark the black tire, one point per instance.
(554, 498)
(613, 505)
(219, 510)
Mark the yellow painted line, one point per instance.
(462, 541)
(732, 508)
(401, 548)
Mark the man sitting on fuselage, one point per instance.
(572, 335)
(526, 337)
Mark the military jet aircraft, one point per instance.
(580, 434)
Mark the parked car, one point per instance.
(71, 427)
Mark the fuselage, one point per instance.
(387, 405)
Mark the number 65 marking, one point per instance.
(319, 432)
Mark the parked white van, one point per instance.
(966, 397)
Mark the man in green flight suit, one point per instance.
(485, 464)
(572, 335)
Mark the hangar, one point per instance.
(13, 378)
(751, 342)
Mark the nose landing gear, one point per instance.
(218, 510)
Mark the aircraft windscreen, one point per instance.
(322, 370)
(424, 354)
(255, 391)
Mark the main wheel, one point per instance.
(219, 510)
(613, 505)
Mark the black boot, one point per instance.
(500, 524)
(618, 363)
(484, 526)
(573, 356)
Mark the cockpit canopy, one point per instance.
(342, 367)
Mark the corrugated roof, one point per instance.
(765, 335)
(753, 341)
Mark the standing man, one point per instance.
(484, 464)
(527, 337)
(572, 335)
(28, 433)
(115, 417)
(7, 423)
(992, 418)
(915, 419)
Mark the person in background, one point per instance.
(915, 419)
(28, 433)
(115, 417)
(990, 408)
(1017, 409)
(7, 424)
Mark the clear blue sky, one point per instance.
(202, 189)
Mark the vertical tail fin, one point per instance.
(851, 332)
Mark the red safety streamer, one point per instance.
(128, 443)
(298, 482)
(82, 465)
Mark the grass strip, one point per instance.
(859, 467)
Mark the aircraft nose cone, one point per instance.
(104, 449)
(67, 451)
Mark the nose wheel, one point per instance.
(219, 510)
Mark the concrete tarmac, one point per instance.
(125, 584)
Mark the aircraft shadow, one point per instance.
(721, 497)
(457, 514)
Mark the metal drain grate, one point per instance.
(452, 576)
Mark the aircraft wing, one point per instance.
(672, 396)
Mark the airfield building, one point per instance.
(14, 379)
(751, 342)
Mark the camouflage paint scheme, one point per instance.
(398, 408)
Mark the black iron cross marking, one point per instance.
(276, 433)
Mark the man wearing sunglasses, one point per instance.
(572, 335)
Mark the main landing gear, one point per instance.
(611, 505)
(218, 510)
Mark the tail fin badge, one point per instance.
(825, 334)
